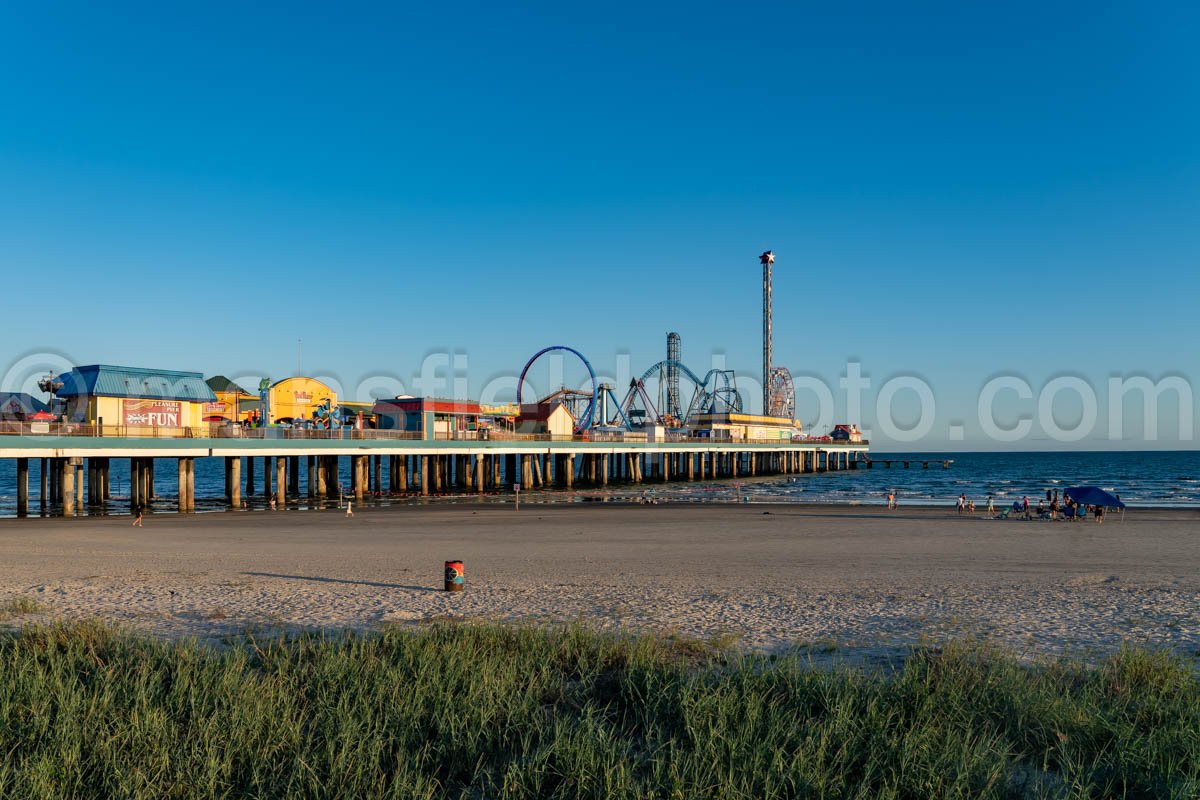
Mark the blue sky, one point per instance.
(953, 192)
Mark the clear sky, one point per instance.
(953, 192)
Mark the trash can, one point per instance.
(455, 577)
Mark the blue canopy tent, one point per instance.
(1093, 496)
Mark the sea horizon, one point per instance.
(1147, 479)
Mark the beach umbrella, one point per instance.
(41, 416)
(1093, 496)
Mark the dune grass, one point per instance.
(464, 711)
(19, 605)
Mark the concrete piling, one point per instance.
(182, 469)
(191, 484)
(68, 488)
(322, 477)
(234, 465)
(281, 482)
(22, 487)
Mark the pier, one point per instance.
(288, 442)
(924, 462)
(75, 469)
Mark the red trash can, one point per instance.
(455, 577)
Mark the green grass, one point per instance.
(18, 606)
(463, 711)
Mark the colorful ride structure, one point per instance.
(715, 393)
(327, 415)
(781, 394)
(595, 406)
(581, 404)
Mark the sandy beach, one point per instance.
(833, 579)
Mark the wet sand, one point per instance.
(768, 576)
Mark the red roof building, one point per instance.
(431, 417)
(553, 418)
(846, 433)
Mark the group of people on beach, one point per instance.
(1052, 507)
(1069, 509)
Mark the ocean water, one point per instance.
(1162, 479)
(1148, 479)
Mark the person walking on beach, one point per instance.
(962, 502)
(991, 507)
(1054, 509)
(137, 521)
(1025, 505)
(892, 500)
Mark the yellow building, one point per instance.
(297, 398)
(131, 401)
(233, 402)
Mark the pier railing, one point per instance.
(224, 431)
(207, 431)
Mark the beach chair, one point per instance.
(1004, 512)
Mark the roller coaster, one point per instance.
(582, 405)
(715, 393)
(596, 406)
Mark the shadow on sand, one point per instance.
(320, 579)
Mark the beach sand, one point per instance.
(834, 579)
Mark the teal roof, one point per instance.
(103, 380)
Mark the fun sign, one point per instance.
(152, 413)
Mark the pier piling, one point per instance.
(425, 467)
(22, 487)
(280, 482)
(68, 489)
(234, 465)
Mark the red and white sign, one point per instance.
(152, 413)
